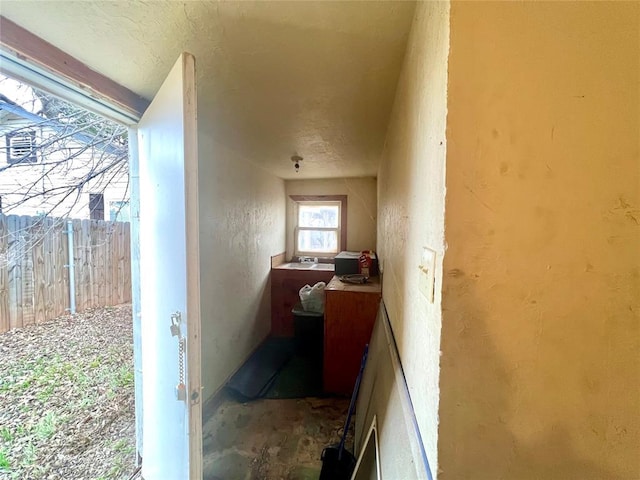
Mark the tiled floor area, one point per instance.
(271, 438)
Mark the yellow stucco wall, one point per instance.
(540, 372)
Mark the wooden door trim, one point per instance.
(194, 356)
(33, 50)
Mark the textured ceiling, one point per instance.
(274, 78)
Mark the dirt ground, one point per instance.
(67, 398)
(67, 411)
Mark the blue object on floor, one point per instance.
(301, 377)
(258, 373)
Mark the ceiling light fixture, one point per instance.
(296, 159)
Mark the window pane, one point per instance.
(324, 216)
(21, 146)
(96, 206)
(314, 241)
(119, 211)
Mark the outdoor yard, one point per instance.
(67, 398)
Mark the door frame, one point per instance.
(26, 57)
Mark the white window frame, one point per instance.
(333, 200)
(19, 137)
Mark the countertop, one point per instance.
(372, 285)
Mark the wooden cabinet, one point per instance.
(285, 288)
(349, 314)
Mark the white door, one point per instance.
(170, 279)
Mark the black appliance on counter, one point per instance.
(348, 263)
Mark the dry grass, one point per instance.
(67, 398)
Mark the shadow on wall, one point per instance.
(475, 438)
(263, 305)
(258, 314)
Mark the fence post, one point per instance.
(71, 266)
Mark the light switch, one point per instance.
(426, 281)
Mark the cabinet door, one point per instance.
(349, 319)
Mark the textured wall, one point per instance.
(361, 207)
(411, 209)
(540, 365)
(315, 77)
(242, 218)
(383, 399)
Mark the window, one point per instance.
(320, 229)
(96, 206)
(21, 147)
(119, 211)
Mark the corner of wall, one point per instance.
(411, 195)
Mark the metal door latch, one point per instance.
(181, 389)
(181, 392)
(176, 320)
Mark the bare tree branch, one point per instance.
(75, 153)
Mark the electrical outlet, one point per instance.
(427, 279)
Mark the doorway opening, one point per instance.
(65, 290)
(170, 420)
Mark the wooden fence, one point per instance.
(34, 273)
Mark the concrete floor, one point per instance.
(272, 439)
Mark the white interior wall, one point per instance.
(411, 211)
(242, 222)
(361, 208)
(383, 398)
